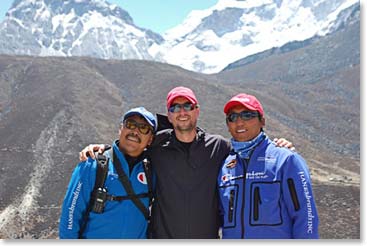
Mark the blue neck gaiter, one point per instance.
(243, 149)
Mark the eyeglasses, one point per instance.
(142, 127)
(175, 108)
(244, 115)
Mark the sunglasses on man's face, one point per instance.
(142, 127)
(175, 108)
(244, 115)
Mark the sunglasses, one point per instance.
(142, 127)
(244, 115)
(175, 108)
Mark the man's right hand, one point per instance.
(90, 149)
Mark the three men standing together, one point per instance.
(202, 182)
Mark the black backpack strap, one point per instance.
(102, 169)
(127, 185)
(101, 174)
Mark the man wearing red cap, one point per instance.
(187, 163)
(265, 192)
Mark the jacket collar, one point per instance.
(200, 134)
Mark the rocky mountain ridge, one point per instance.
(207, 41)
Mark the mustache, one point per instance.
(133, 135)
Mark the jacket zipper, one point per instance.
(231, 206)
(246, 162)
(292, 190)
(257, 202)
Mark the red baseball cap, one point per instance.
(181, 92)
(245, 100)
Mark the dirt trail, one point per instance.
(320, 171)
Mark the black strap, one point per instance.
(127, 185)
(102, 168)
(122, 198)
(101, 174)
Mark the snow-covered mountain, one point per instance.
(207, 41)
(74, 28)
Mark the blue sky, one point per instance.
(157, 15)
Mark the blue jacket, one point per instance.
(267, 196)
(119, 219)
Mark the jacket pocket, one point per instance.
(293, 193)
(265, 209)
(257, 201)
(228, 198)
(231, 206)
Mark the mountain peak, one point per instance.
(74, 28)
(209, 40)
(20, 8)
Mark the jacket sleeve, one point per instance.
(76, 199)
(299, 198)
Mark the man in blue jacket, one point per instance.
(120, 218)
(265, 192)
